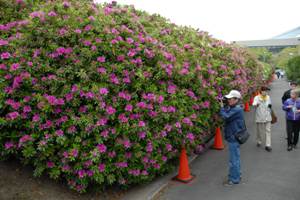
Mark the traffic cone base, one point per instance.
(184, 174)
(218, 143)
(187, 180)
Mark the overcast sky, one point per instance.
(228, 20)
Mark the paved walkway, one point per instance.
(266, 175)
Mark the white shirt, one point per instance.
(262, 112)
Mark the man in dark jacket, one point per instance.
(233, 116)
(287, 94)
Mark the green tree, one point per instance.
(292, 69)
(281, 59)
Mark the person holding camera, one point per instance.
(263, 118)
(233, 115)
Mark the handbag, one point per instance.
(274, 117)
(242, 136)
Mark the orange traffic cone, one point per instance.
(247, 108)
(184, 174)
(218, 140)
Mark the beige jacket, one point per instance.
(262, 112)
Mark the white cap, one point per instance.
(233, 94)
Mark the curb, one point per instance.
(151, 191)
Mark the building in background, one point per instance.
(277, 43)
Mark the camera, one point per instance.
(225, 101)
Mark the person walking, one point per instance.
(263, 118)
(233, 115)
(292, 108)
(286, 95)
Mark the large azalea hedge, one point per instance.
(109, 94)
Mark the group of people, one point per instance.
(233, 115)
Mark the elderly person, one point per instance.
(233, 115)
(263, 118)
(292, 108)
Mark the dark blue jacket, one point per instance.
(234, 121)
(290, 114)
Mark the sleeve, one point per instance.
(255, 101)
(284, 106)
(285, 96)
(269, 101)
(227, 114)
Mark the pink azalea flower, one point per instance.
(128, 108)
(101, 167)
(142, 124)
(103, 91)
(5, 55)
(101, 148)
(52, 14)
(14, 66)
(3, 42)
(110, 110)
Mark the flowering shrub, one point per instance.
(109, 94)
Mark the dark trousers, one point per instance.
(293, 128)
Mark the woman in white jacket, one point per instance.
(263, 118)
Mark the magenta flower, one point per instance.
(169, 147)
(72, 129)
(142, 135)
(122, 117)
(74, 153)
(122, 164)
(164, 109)
(127, 144)
(27, 109)
(172, 89)
(5, 55)
(81, 173)
(149, 147)
(121, 58)
(50, 164)
(105, 133)
(190, 136)
(102, 122)
(14, 66)
(101, 148)
(114, 79)
(141, 105)
(160, 99)
(101, 167)
(128, 108)
(110, 110)
(142, 124)
(52, 14)
(103, 91)
(66, 4)
(25, 138)
(9, 145)
(91, 18)
(77, 31)
(13, 115)
(66, 168)
(3, 66)
(59, 133)
(3, 42)
(36, 118)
